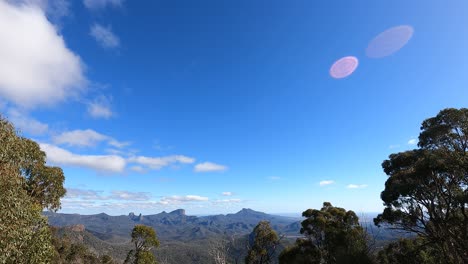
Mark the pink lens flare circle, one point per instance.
(389, 42)
(344, 67)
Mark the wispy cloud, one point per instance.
(103, 163)
(54, 9)
(209, 167)
(104, 36)
(99, 110)
(129, 196)
(82, 194)
(356, 186)
(100, 4)
(118, 144)
(228, 201)
(81, 138)
(114, 162)
(326, 182)
(93, 195)
(175, 199)
(274, 178)
(156, 163)
(26, 123)
(412, 142)
(138, 169)
(87, 201)
(86, 138)
(227, 193)
(36, 67)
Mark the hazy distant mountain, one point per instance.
(175, 225)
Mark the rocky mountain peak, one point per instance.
(178, 212)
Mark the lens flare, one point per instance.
(344, 67)
(389, 42)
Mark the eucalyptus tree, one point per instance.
(331, 235)
(144, 238)
(427, 188)
(27, 186)
(264, 244)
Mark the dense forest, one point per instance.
(425, 195)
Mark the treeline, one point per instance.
(426, 194)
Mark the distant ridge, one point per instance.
(178, 212)
(175, 225)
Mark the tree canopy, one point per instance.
(23, 156)
(331, 235)
(27, 186)
(409, 251)
(263, 244)
(427, 189)
(144, 239)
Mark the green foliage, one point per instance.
(44, 184)
(303, 252)
(24, 234)
(145, 257)
(69, 251)
(144, 239)
(332, 235)
(409, 251)
(265, 241)
(427, 189)
(73, 247)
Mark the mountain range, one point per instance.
(175, 225)
(184, 238)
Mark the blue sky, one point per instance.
(214, 106)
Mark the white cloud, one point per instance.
(99, 110)
(356, 186)
(89, 201)
(129, 196)
(227, 201)
(82, 194)
(105, 163)
(412, 142)
(89, 195)
(36, 67)
(104, 36)
(99, 4)
(138, 169)
(81, 138)
(86, 138)
(115, 151)
(227, 193)
(27, 124)
(157, 163)
(209, 167)
(55, 9)
(118, 144)
(175, 199)
(394, 146)
(122, 207)
(326, 182)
